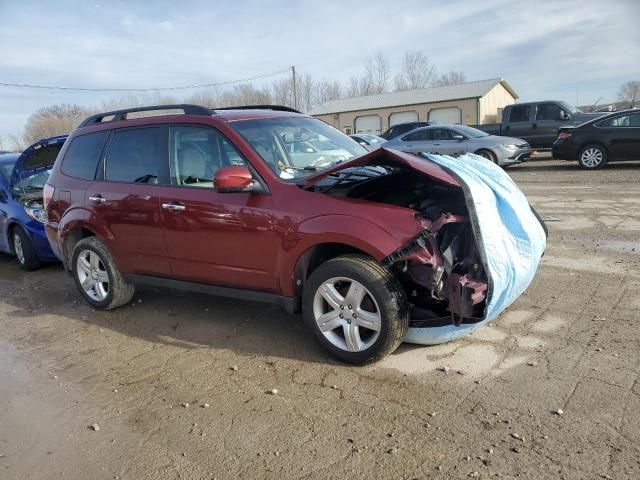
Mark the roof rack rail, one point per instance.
(278, 108)
(122, 114)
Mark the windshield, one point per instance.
(31, 184)
(6, 169)
(570, 108)
(470, 131)
(295, 147)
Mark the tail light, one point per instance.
(564, 135)
(47, 195)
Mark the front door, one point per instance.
(548, 119)
(444, 143)
(227, 239)
(125, 197)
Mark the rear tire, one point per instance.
(356, 309)
(97, 276)
(24, 249)
(592, 157)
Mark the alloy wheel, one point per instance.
(592, 157)
(347, 314)
(92, 275)
(18, 248)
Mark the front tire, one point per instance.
(97, 276)
(356, 309)
(24, 250)
(592, 157)
(488, 154)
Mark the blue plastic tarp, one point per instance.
(510, 237)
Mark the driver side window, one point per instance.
(196, 153)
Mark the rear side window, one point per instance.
(520, 113)
(83, 155)
(136, 156)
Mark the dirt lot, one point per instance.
(145, 372)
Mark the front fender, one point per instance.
(341, 229)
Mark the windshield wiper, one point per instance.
(344, 178)
(308, 168)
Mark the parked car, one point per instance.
(22, 179)
(610, 138)
(451, 139)
(314, 152)
(368, 141)
(401, 128)
(537, 122)
(356, 246)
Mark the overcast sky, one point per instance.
(573, 50)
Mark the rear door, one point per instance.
(226, 239)
(622, 133)
(520, 123)
(418, 141)
(125, 197)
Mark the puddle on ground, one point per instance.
(619, 246)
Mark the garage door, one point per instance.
(369, 124)
(402, 117)
(446, 116)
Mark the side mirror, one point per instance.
(564, 115)
(233, 179)
(458, 137)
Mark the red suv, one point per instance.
(267, 204)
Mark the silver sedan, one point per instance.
(451, 139)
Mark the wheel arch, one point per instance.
(316, 255)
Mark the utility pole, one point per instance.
(295, 92)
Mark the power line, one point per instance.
(184, 87)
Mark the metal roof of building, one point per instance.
(412, 97)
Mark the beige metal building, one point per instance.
(467, 103)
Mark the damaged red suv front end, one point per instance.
(440, 269)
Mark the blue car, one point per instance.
(22, 216)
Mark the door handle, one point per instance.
(534, 125)
(97, 198)
(173, 206)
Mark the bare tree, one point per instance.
(326, 91)
(18, 142)
(377, 73)
(630, 93)
(305, 90)
(417, 72)
(282, 92)
(451, 78)
(53, 120)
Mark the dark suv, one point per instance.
(233, 202)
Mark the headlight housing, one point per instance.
(511, 146)
(36, 212)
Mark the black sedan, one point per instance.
(610, 138)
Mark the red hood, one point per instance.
(383, 156)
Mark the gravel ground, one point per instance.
(180, 385)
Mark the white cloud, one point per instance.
(544, 49)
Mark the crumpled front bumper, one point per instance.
(511, 240)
